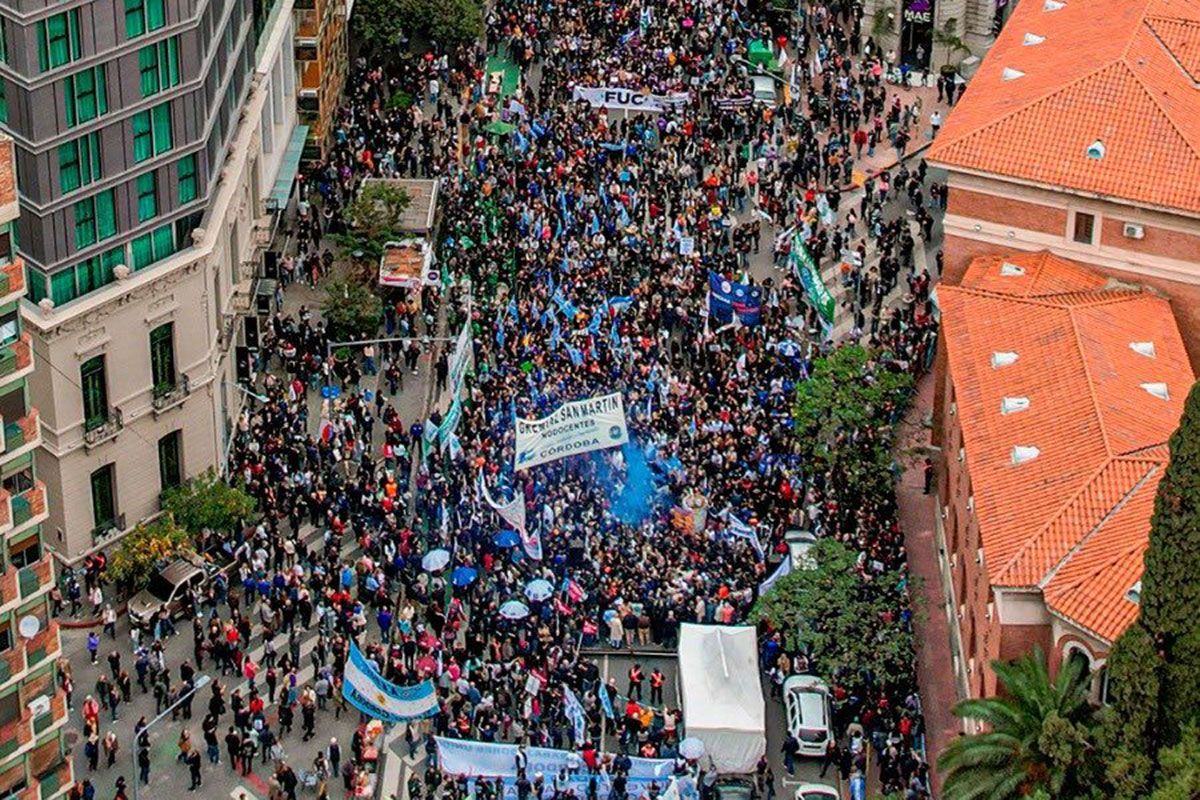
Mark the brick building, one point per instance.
(1080, 134)
(321, 60)
(1059, 393)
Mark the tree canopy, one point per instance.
(351, 309)
(143, 548)
(207, 503)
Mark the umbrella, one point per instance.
(506, 538)
(691, 748)
(539, 589)
(435, 560)
(464, 576)
(514, 609)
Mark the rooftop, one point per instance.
(423, 194)
(1099, 97)
(1065, 443)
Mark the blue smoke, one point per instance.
(632, 491)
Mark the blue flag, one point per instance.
(725, 298)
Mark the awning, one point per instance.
(288, 168)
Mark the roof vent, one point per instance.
(1096, 150)
(1033, 38)
(1010, 74)
(1022, 454)
(1000, 359)
(1011, 270)
(1011, 405)
(1134, 595)
(1159, 390)
(1053, 5)
(1144, 349)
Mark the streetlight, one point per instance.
(202, 681)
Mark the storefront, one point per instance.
(916, 33)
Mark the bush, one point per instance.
(142, 549)
(351, 310)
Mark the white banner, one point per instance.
(513, 512)
(629, 99)
(577, 427)
(488, 760)
(463, 358)
(784, 569)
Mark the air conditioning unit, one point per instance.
(1133, 231)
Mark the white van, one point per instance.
(764, 89)
(809, 713)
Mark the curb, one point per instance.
(91, 623)
(850, 187)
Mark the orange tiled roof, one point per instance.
(1085, 389)
(1064, 74)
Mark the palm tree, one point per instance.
(1035, 739)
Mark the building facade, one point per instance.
(33, 712)
(141, 341)
(917, 30)
(322, 59)
(1059, 391)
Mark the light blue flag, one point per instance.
(575, 354)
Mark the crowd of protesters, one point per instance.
(577, 245)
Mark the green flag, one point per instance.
(806, 270)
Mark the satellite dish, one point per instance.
(29, 626)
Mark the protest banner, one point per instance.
(580, 426)
(726, 298)
(806, 270)
(462, 361)
(629, 99)
(372, 694)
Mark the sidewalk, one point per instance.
(935, 670)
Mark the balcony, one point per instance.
(35, 578)
(167, 397)
(29, 506)
(12, 281)
(16, 359)
(57, 713)
(22, 433)
(57, 781)
(45, 645)
(102, 532)
(97, 432)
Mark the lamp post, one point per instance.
(201, 682)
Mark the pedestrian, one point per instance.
(93, 646)
(193, 762)
(111, 748)
(790, 749)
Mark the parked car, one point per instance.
(799, 543)
(168, 587)
(809, 713)
(764, 89)
(816, 791)
(735, 788)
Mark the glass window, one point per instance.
(58, 40)
(153, 246)
(143, 252)
(91, 275)
(86, 95)
(147, 197)
(95, 219)
(62, 287)
(1085, 227)
(187, 179)
(142, 16)
(104, 499)
(94, 383)
(170, 467)
(152, 132)
(164, 242)
(9, 328)
(79, 162)
(36, 281)
(3, 42)
(159, 66)
(162, 358)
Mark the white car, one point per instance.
(816, 791)
(799, 544)
(809, 713)
(764, 89)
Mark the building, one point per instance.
(33, 712)
(1080, 134)
(321, 56)
(145, 198)
(907, 27)
(1060, 390)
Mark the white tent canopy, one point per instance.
(722, 698)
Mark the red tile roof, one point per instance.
(1090, 362)
(1119, 72)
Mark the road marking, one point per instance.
(242, 792)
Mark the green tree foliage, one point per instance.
(844, 621)
(1179, 778)
(351, 309)
(382, 24)
(374, 217)
(207, 503)
(1037, 737)
(142, 549)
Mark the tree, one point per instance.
(379, 25)
(845, 621)
(142, 549)
(375, 218)
(1179, 778)
(207, 503)
(351, 309)
(383, 24)
(1037, 737)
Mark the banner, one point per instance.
(513, 512)
(574, 711)
(784, 568)
(580, 426)
(450, 423)
(629, 99)
(465, 758)
(463, 359)
(377, 697)
(741, 530)
(726, 298)
(806, 270)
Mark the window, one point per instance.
(95, 219)
(58, 40)
(104, 499)
(93, 381)
(159, 66)
(10, 330)
(1085, 227)
(152, 132)
(147, 197)
(170, 468)
(3, 100)
(86, 95)
(79, 162)
(3, 43)
(153, 246)
(143, 15)
(187, 179)
(162, 358)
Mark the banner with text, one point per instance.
(629, 99)
(463, 359)
(580, 426)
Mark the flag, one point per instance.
(372, 694)
(605, 700)
(512, 309)
(574, 712)
(614, 337)
(573, 590)
(575, 355)
(784, 568)
(620, 303)
(500, 328)
(743, 531)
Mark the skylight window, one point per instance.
(1011, 270)
(1144, 349)
(1159, 390)
(1023, 454)
(1002, 359)
(1010, 74)
(1032, 39)
(1012, 405)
